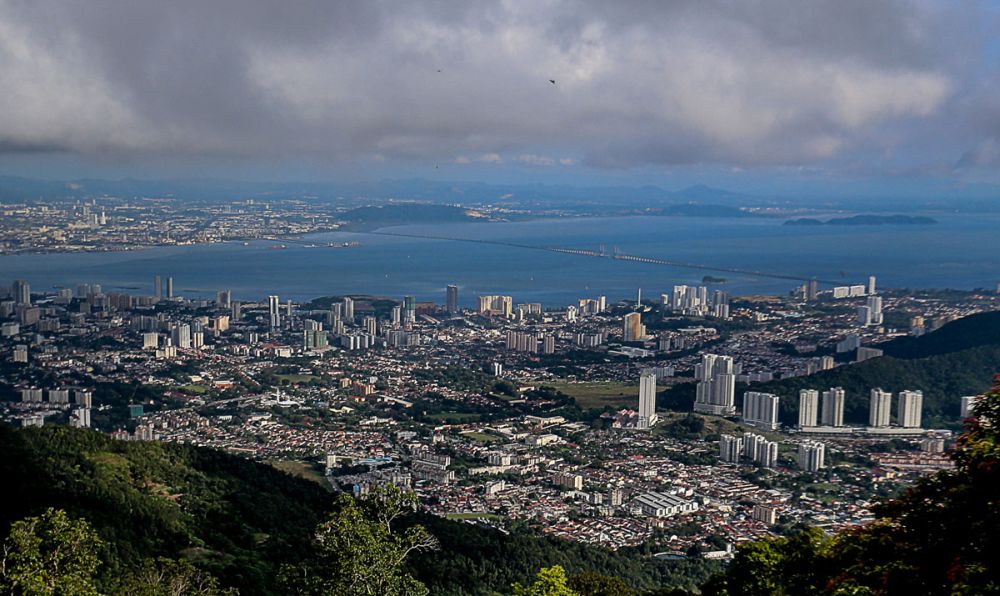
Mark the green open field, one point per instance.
(481, 437)
(598, 395)
(456, 416)
(302, 470)
(297, 378)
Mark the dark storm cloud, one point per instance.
(742, 83)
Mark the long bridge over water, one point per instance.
(616, 255)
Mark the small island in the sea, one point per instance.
(711, 279)
(866, 220)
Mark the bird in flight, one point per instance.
(553, 81)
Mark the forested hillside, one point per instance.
(247, 523)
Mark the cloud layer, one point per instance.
(637, 83)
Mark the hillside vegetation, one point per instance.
(247, 523)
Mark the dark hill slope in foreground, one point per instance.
(242, 520)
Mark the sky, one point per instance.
(855, 96)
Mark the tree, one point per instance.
(167, 577)
(550, 581)
(590, 583)
(51, 554)
(360, 553)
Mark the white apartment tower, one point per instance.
(647, 399)
(808, 408)
(833, 407)
(716, 389)
(879, 408)
(760, 410)
(274, 311)
(909, 409)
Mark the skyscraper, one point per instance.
(273, 308)
(409, 309)
(811, 456)
(348, 310)
(451, 299)
(812, 290)
(157, 287)
(633, 329)
(730, 448)
(647, 399)
(879, 408)
(22, 292)
(760, 409)
(833, 407)
(909, 409)
(808, 408)
(170, 287)
(223, 298)
(874, 305)
(871, 285)
(181, 336)
(716, 389)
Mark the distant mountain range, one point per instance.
(591, 199)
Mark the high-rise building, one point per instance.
(633, 330)
(348, 310)
(397, 314)
(409, 309)
(879, 408)
(371, 325)
(909, 409)
(22, 292)
(716, 389)
(833, 407)
(730, 448)
(181, 336)
(808, 408)
(493, 305)
(647, 399)
(812, 290)
(223, 299)
(157, 287)
(968, 404)
(759, 450)
(274, 311)
(811, 456)
(150, 339)
(170, 287)
(871, 285)
(760, 409)
(874, 304)
(451, 299)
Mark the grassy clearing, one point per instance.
(302, 469)
(481, 437)
(296, 379)
(459, 417)
(599, 395)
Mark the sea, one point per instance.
(961, 251)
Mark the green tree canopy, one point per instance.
(359, 552)
(550, 581)
(51, 554)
